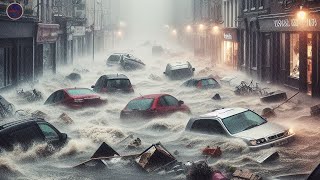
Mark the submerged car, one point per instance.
(113, 83)
(153, 105)
(177, 71)
(157, 50)
(115, 58)
(244, 124)
(202, 83)
(130, 62)
(29, 131)
(75, 98)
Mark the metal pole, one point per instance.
(94, 24)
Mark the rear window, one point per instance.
(114, 58)
(140, 104)
(181, 71)
(212, 82)
(76, 92)
(118, 83)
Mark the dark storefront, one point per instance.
(16, 52)
(279, 47)
(230, 47)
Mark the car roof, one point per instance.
(179, 65)
(223, 113)
(5, 125)
(150, 96)
(115, 76)
(200, 78)
(66, 89)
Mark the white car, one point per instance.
(244, 124)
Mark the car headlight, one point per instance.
(289, 132)
(257, 142)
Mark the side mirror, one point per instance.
(63, 137)
(164, 72)
(180, 103)
(193, 69)
(92, 86)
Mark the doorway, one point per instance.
(309, 64)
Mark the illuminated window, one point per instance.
(253, 4)
(245, 5)
(294, 56)
(260, 4)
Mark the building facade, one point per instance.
(17, 47)
(280, 45)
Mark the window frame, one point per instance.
(172, 98)
(213, 120)
(52, 127)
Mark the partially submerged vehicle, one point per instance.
(29, 131)
(114, 59)
(130, 62)
(243, 124)
(113, 83)
(202, 83)
(153, 105)
(179, 70)
(75, 98)
(157, 50)
(6, 108)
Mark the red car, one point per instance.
(75, 98)
(153, 105)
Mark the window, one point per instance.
(253, 4)
(25, 136)
(244, 36)
(140, 104)
(208, 126)
(294, 56)
(59, 96)
(114, 58)
(76, 92)
(118, 83)
(162, 102)
(212, 82)
(242, 121)
(254, 50)
(283, 51)
(260, 4)
(2, 67)
(245, 5)
(171, 101)
(51, 98)
(48, 132)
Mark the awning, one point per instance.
(47, 33)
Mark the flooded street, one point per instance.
(92, 126)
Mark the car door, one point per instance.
(162, 106)
(51, 135)
(208, 126)
(25, 136)
(172, 104)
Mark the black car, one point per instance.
(202, 83)
(29, 131)
(113, 83)
(179, 70)
(114, 59)
(131, 63)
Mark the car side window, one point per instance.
(48, 132)
(209, 126)
(51, 98)
(59, 97)
(204, 82)
(171, 101)
(212, 82)
(162, 102)
(26, 135)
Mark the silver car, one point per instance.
(244, 124)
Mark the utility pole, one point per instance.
(94, 24)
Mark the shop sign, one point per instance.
(295, 23)
(230, 34)
(47, 33)
(14, 11)
(79, 31)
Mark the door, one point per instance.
(51, 135)
(167, 104)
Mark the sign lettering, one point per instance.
(279, 23)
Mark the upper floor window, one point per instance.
(245, 5)
(253, 4)
(260, 4)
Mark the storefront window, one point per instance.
(283, 50)
(294, 56)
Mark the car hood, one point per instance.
(262, 131)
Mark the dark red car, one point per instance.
(153, 105)
(75, 98)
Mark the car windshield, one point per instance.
(242, 121)
(118, 83)
(77, 92)
(140, 104)
(212, 82)
(113, 58)
(184, 71)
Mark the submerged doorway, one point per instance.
(309, 64)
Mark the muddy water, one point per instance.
(96, 125)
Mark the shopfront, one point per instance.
(291, 50)
(230, 47)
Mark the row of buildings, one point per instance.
(52, 33)
(276, 41)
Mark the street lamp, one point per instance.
(174, 32)
(215, 29)
(201, 27)
(119, 33)
(302, 14)
(188, 29)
